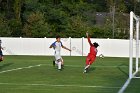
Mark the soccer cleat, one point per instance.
(53, 63)
(85, 70)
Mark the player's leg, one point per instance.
(62, 63)
(53, 62)
(58, 61)
(1, 56)
(87, 64)
(56, 55)
(59, 64)
(92, 60)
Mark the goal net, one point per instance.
(134, 68)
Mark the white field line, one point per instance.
(124, 86)
(91, 66)
(20, 68)
(51, 85)
(15, 69)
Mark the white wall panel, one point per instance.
(79, 46)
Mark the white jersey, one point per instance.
(57, 46)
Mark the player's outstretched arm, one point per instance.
(87, 34)
(66, 48)
(89, 41)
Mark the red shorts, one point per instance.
(90, 59)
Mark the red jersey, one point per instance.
(93, 50)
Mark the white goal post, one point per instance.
(134, 30)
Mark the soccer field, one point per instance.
(36, 74)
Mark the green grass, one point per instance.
(106, 76)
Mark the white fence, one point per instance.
(79, 46)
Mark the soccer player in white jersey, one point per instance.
(57, 47)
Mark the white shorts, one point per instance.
(57, 55)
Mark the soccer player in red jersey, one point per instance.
(92, 55)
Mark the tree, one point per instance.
(77, 27)
(4, 29)
(36, 26)
(17, 9)
(47, 18)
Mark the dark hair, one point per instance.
(95, 44)
(57, 37)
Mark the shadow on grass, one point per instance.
(122, 70)
(91, 69)
(5, 65)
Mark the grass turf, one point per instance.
(106, 75)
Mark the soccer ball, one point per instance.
(101, 56)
